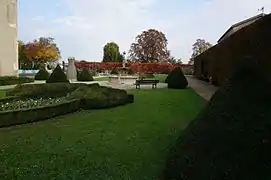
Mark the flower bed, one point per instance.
(30, 103)
(23, 116)
(36, 102)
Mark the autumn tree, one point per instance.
(21, 56)
(40, 51)
(111, 53)
(150, 46)
(199, 47)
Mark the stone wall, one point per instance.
(8, 38)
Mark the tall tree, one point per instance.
(21, 55)
(150, 46)
(199, 47)
(41, 51)
(111, 53)
(174, 60)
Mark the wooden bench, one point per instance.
(153, 82)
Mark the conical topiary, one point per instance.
(231, 137)
(42, 74)
(176, 79)
(84, 75)
(57, 76)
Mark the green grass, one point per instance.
(101, 79)
(2, 93)
(128, 142)
(161, 77)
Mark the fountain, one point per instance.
(123, 77)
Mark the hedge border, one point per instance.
(10, 118)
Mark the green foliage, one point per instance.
(230, 138)
(97, 97)
(118, 143)
(111, 53)
(57, 76)
(84, 75)
(18, 104)
(22, 116)
(43, 90)
(42, 74)
(176, 79)
(11, 80)
(114, 71)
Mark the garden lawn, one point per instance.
(101, 79)
(2, 93)
(127, 142)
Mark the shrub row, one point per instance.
(16, 117)
(43, 74)
(58, 75)
(79, 96)
(11, 80)
(43, 90)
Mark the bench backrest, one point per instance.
(150, 81)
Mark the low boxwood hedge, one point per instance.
(76, 96)
(84, 76)
(8, 118)
(98, 97)
(11, 80)
(43, 90)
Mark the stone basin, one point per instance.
(123, 79)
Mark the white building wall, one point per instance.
(8, 38)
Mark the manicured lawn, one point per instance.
(128, 142)
(101, 79)
(2, 93)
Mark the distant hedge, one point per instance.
(43, 90)
(12, 80)
(253, 40)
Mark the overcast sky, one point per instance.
(82, 27)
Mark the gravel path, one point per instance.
(204, 89)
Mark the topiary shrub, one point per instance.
(84, 75)
(115, 71)
(176, 79)
(42, 74)
(57, 76)
(96, 97)
(231, 137)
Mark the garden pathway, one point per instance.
(204, 89)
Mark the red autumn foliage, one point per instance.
(136, 67)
